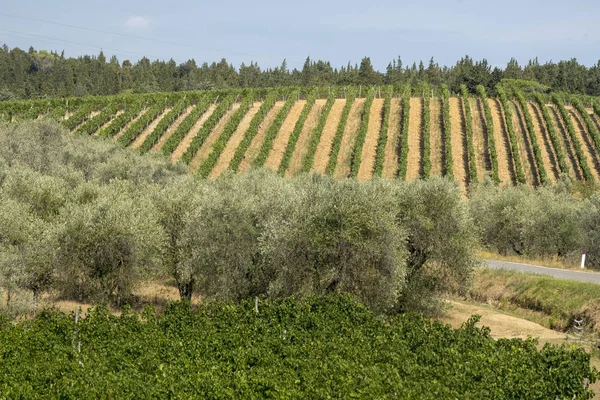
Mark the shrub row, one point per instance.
(356, 158)
(273, 130)
(327, 347)
(592, 129)
(207, 165)
(138, 126)
(489, 122)
(81, 115)
(426, 132)
(94, 124)
(220, 111)
(339, 133)
(587, 173)
(537, 151)
(131, 111)
(469, 131)
(447, 126)
(558, 150)
(163, 125)
(252, 131)
(295, 135)
(317, 132)
(403, 161)
(383, 133)
(186, 125)
(512, 136)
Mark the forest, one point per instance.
(39, 73)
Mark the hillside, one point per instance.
(343, 133)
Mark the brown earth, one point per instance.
(127, 125)
(185, 142)
(342, 169)
(172, 128)
(414, 166)
(301, 145)
(541, 132)
(561, 131)
(587, 144)
(283, 137)
(460, 156)
(524, 143)
(329, 131)
(505, 163)
(369, 150)
(436, 136)
(149, 129)
(258, 140)
(390, 163)
(207, 147)
(234, 141)
(501, 325)
(478, 124)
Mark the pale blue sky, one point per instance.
(336, 31)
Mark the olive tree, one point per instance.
(219, 248)
(341, 237)
(105, 247)
(441, 242)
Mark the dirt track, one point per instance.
(390, 163)
(414, 166)
(329, 131)
(212, 137)
(234, 141)
(149, 129)
(283, 137)
(369, 150)
(185, 143)
(172, 129)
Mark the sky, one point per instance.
(267, 32)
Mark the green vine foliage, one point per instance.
(273, 130)
(566, 118)
(383, 133)
(317, 132)
(469, 132)
(556, 144)
(186, 125)
(426, 132)
(295, 135)
(512, 136)
(252, 131)
(447, 126)
(537, 151)
(356, 158)
(136, 128)
(321, 347)
(592, 129)
(489, 122)
(222, 108)
(163, 125)
(339, 133)
(207, 165)
(403, 162)
(131, 111)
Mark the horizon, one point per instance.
(339, 33)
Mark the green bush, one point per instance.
(326, 347)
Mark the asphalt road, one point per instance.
(581, 276)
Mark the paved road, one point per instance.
(592, 277)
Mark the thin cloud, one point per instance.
(136, 22)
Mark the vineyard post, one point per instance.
(75, 337)
(256, 304)
(583, 259)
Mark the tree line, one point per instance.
(40, 73)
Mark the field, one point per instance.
(529, 141)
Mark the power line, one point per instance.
(77, 43)
(142, 38)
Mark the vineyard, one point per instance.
(362, 132)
